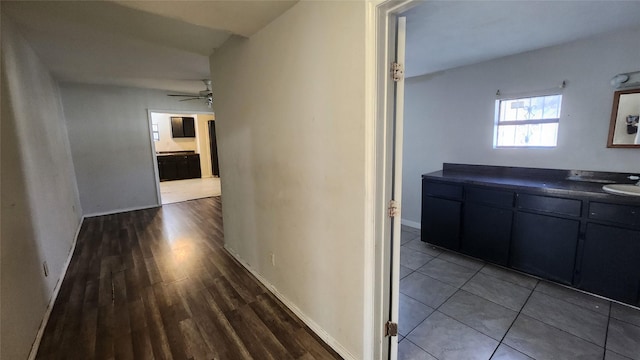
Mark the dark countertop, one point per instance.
(574, 183)
(174, 153)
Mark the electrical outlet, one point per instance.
(45, 268)
(273, 259)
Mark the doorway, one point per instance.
(488, 311)
(182, 151)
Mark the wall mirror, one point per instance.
(623, 130)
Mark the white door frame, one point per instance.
(152, 145)
(379, 98)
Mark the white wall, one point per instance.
(111, 143)
(449, 116)
(40, 205)
(290, 115)
(167, 141)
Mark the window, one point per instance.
(154, 131)
(527, 122)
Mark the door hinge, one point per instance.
(393, 208)
(397, 71)
(390, 329)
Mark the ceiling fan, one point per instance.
(203, 94)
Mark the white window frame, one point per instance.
(498, 123)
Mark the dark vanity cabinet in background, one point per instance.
(179, 166)
(591, 243)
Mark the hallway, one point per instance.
(158, 283)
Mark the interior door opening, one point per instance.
(182, 146)
(456, 278)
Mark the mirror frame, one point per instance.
(614, 117)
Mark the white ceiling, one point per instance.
(447, 34)
(150, 44)
(166, 44)
(239, 17)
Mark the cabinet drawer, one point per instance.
(442, 189)
(489, 196)
(621, 214)
(549, 204)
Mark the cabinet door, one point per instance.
(183, 167)
(188, 126)
(170, 168)
(441, 222)
(611, 263)
(161, 171)
(486, 232)
(545, 246)
(177, 130)
(194, 167)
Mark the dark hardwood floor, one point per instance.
(158, 284)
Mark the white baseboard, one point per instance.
(333, 343)
(54, 296)
(111, 212)
(413, 224)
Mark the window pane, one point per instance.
(534, 111)
(543, 110)
(156, 136)
(527, 135)
(513, 110)
(506, 135)
(534, 108)
(154, 127)
(552, 106)
(548, 135)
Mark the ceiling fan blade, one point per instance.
(195, 98)
(182, 95)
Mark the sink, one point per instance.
(622, 189)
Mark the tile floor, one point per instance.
(190, 189)
(455, 307)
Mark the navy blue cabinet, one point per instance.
(441, 222)
(487, 232)
(487, 218)
(586, 242)
(545, 236)
(611, 263)
(545, 246)
(441, 211)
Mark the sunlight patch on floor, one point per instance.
(183, 190)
